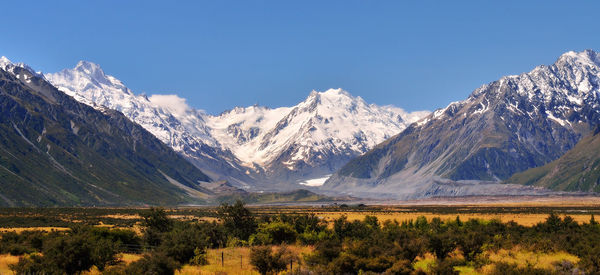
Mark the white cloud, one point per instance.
(173, 103)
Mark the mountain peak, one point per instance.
(8, 65)
(586, 57)
(90, 68)
(331, 94)
(88, 81)
(4, 61)
(338, 92)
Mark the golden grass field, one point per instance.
(521, 218)
(21, 229)
(5, 262)
(177, 217)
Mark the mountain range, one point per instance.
(249, 146)
(81, 137)
(58, 151)
(507, 126)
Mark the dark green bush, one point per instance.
(182, 242)
(267, 261)
(153, 264)
(274, 233)
(237, 220)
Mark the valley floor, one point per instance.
(525, 245)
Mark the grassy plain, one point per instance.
(236, 259)
(521, 218)
(39, 228)
(523, 210)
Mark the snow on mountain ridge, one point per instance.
(7, 65)
(568, 84)
(325, 122)
(326, 129)
(88, 84)
(503, 127)
(4, 62)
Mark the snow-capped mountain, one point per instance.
(506, 126)
(253, 144)
(311, 139)
(9, 66)
(183, 129)
(57, 151)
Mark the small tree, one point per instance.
(265, 261)
(69, 254)
(157, 219)
(182, 242)
(441, 244)
(29, 264)
(103, 253)
(156, 222)
(274, 233)
(199, 257)
(553, 223)
(237, 219)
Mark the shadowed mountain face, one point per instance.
(504, 127)
(55, 151)
(576, 170)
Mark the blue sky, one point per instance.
(220, 54)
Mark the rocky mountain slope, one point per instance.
(576, 170)
(252, 146)
(504, 127)
(58, 151)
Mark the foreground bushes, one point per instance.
(70, 253)
(347, 247)
(152, 263)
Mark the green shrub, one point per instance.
(104, 253)
(155, 222)
(401, 267)
(199, 257)
(274, 233)
(31, 264)
(308, 238)
(154, 263)
(266, 261)
(237, 220)
(182, 242)
(70, 254)
(502, 268)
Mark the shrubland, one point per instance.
(558, 245)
